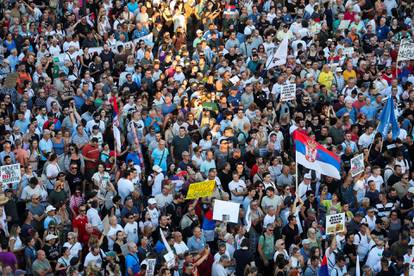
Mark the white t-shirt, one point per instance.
(359, 188)
(94, 218)
(370, 221)
(162, 200)
(268, 219)
(154, 215)
(131, 230)
(362, 243)
(74, 249)
(125, 188)
(365, 140)
(156, 187)
(238, 187)
(374, 258)
(90, 258)
(302, 189)
(378, 181)
(112, 232)
(52, 170)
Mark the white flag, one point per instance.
(248, 219)
(117, 137)
(280, 56)
(357, 269)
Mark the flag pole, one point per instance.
(297, 175)
(116, 154)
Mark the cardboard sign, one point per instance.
(226, 211)
(201, 189)
(357, 165)
(288, 92)
(10, 174)
(150, 267)
(335, 223)
(406, 51)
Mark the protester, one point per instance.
(298, 111)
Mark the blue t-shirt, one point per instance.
(132, 262)
(132, 7)
(157, 155)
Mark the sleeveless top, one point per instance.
(59, 148)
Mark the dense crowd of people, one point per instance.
(112, 109)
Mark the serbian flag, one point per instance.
(323, 270)
(314, 156)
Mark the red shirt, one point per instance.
(91, 152)
(79, 222)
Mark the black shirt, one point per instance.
(406, 203)
(225, 179)
(74, 180)
(350, 250)
(393, 179)
(243, 258)
(290, 234)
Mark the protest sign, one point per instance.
(288, 92)
(335, 223)
(344, 24)
(124, 249)
(10, 174)
(357, 165)
(170, 259)
(150, 267)
(406, 51)
(226, 211)
(201, 189)
(235, 80)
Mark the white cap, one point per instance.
(51, 237)
(152, 201)
(308, 175)
(339, 69)
(50, 208)
(156, 168)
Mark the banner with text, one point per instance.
(201, 189)
(406, 51)
(335, 223)
(288, 92)
(10, 174)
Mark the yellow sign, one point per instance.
(201, 189)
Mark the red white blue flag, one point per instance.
(314, 156)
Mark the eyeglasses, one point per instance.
(82, 210)
(74, 168)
